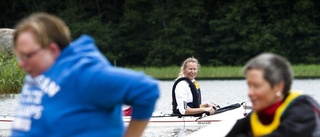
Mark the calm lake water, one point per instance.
(222, 92)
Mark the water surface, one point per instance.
(222, 92)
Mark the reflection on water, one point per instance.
(168, 131)
(4, 133)
(8, 103)
(221, 92)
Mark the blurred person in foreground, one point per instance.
(71, 89)
(278, 111)
(186, 94)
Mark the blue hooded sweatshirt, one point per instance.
(82, 94)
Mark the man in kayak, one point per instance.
(71, 89)
(186, 94)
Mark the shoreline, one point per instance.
(233, 78)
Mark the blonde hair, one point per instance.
(46, 29)
(184, 65)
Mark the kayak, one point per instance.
(5, 122)
(220, 129)
(231, 112)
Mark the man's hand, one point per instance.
(208, 109)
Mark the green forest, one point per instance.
(165, 32)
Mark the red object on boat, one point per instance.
(127, 112)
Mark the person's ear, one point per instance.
(54, 49)
(280, 87)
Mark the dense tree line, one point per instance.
(165, 32)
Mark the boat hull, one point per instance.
(191, 121)
(5, 122)
(165, 120)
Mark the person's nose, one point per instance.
(193, 71)
(21, 63)
(250, 91)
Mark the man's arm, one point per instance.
(136, 128)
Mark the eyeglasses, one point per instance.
(29, 55)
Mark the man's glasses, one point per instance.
(29, 55)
